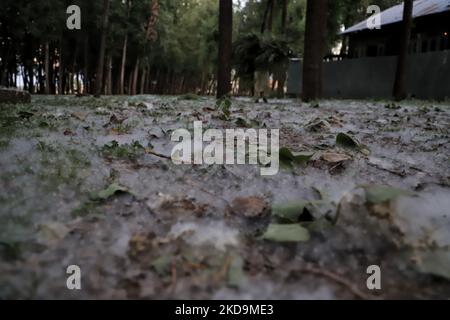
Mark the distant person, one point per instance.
(261, 86)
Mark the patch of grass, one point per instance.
(391, 129)
(46, 122)
(45, 147)
(124, 152)
(58, 173)
(71, 101)
(4, 144)
(223, 105)
(9, 123)
(123, 128)
(14, 229)
(78, 158)
(11, 250)
(60, 166)
(86, 208)
(189, 96)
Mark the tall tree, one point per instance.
(225, 47)
(284, 14)
(267, 17)
(402, 60)
(124, 53)
(315, 38)
(101, 58)
(47, 67)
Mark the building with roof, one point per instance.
(368, 68)
(431, 31)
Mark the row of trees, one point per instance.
(166, 47)
(123, 47)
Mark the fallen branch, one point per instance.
(174, 277)
(148, 151)
(222, 273)
(401, 174)
(336, 278)
(214, 196)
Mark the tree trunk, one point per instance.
(284, 14)
(4, 66)
(281, 73)
(271, 13)
(315, 31)
(402, 63)
(40, 77)
(109, 75)
(124, 55)
(47, 68)
(142, 84)
(52, 75)
(101, 58)
(31, 77)
(148, 80)
(225, 47)
(61, 71)
(135, 78)
(86, 79)
(130, 83)
(122, 67)
(265, 16)
(203, 83)
(159, 79)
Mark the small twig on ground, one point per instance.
(336, 278)
(231, 172)
(174, 277)
(158, 154)
(197, 185)
(219, 276)
(397, 173)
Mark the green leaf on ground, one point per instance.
(289, 158)
(224, 104)
(302, 158)
(345, 141)
(382, 194)
(364, 150)
(302, 210)
(10, 251)
(189, 96)
(110, 191)
(241, 122)
(286, 233)
(435, 262)
(25, 114)
(393, 106)
(289, 211)
(236, 272)
(162, 265)
(252, 123)
(52, 232)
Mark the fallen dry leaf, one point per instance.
(69, 133)
(250, 207)
(79, 115)
(335, 157)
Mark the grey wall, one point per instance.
(428, 77)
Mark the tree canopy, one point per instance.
(164, 47)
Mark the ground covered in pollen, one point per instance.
(88, 182)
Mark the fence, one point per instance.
(428, 77)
